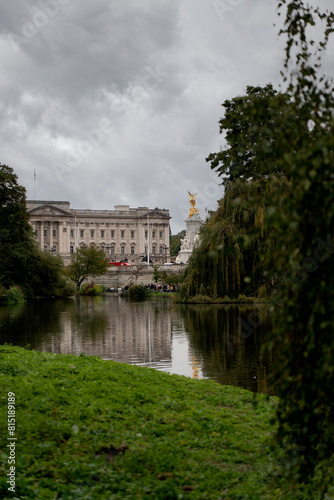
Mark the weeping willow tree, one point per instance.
(237, 246)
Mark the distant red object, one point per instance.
(119, 264)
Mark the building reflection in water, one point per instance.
(228, 341)
(137, 333)
(210, 341)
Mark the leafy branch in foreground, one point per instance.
(304, 326)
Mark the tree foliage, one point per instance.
(296, 244)
(21, 261)
(45, 276)
(259, 128)
(87, 261)
(237, 248)
(175, 242)
(17, 246)
(156, 273)
(304, 325)
(238, 244)
(138, 292)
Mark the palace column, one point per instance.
(51, 234)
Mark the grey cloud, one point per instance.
(119, 101)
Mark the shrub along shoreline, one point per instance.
(93, 429)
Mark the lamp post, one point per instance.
(76, 232)
(148, 240)
(166, 248)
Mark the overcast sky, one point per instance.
(118, 101)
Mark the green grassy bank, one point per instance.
(93, 429)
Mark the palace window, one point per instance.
(160, 234)
(82, 231)
(122, 249)
(45, 233)
(122, 234)
(36, 233)
(112, 232)
(112, 250)
(92, 233)
(146, 234)
(153, 234)
(72, 233)
(132, 234)
(54, 233)
(102, 233)
(132, 250)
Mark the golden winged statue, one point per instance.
(193, 209)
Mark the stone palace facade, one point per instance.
(125, 234)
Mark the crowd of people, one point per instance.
(174, 287)
(163, 288)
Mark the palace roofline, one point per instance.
(118, 209)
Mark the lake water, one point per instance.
(198, 341)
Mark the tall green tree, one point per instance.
(87, 261)
(238, 244)
(259, 128)
(21, 261)
(16, 240)
(304, 325)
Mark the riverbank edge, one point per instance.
(205, 299)
(15, 295)
(86, 426)
(200, 299)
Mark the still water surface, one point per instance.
(199, 341)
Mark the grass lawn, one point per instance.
(93, 429)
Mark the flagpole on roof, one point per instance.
(34, 184)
